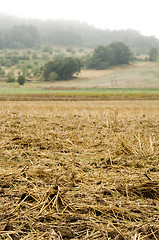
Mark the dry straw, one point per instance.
(79, 170)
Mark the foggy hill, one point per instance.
(22, 33)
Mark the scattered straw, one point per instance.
(79, 170)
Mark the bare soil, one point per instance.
(79, 170)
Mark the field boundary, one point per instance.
(79, 97)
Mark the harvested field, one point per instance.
(79, 170)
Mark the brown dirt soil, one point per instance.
(79, 170)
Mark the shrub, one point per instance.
(2, 72)
(21, 79)
(10, 77)
(53, 76)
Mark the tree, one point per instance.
(53, 76)
(63, 68)
(10, 77)
(153, 54)
(114, 54)
(21, 79)
(121, 53)
(2, 72)
(102, 58)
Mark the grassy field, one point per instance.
(136, 81)
(137, 75)
(83, 95)
(79, 170)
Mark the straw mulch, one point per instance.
(79, 171)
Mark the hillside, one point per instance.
(22, 33)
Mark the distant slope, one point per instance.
(138, 75)
(68, 33)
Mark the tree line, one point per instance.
(20, 36)
(16, 33)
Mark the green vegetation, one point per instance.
(43, 34)
(61, 69)
(10, 77)
(21, 79)
(135, 80)
(2, 72)
(153, 54)
(19, 36)
(52, 63)
(114, 54)
(52, 76)
(40, 88)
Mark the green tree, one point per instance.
(53, 76)
(10, 77)
(114, 54)
(122, 54)
(21, 79)
(153, 54)
(64, 68)
(102, 58)
(2, 72)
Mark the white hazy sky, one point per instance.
(141, 15)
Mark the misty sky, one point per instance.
(141, 15)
